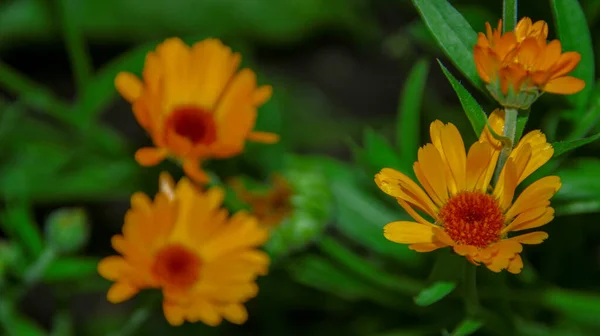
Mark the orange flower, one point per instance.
(194, 104)
(459, 208)
(519, 65)
(269, 207)
(184, 244)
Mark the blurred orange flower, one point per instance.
(462, 208)
(194, 104)
(271, 207)
(183, 243)
(520, 65)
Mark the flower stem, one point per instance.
(37, 270)
(510, 128)
(139, 316)
(470, 289)
(509, 15)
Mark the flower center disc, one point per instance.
(194, 124)
(472, 218)
(176, 266)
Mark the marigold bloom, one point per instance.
(269, 207)
(519, 65)
(194, 104)
(183, 243)
(464, 211)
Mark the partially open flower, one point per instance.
(194, 104)
(269, 206)
(520, 65)
(183, 242)
(456, 205)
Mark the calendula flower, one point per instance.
(520, 65)
(182, 242)
(270, 206)
(459, 208)
(194, 104)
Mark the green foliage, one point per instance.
(575, 35)
(434, 293)
(453, 33)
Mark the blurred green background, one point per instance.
(342, 102)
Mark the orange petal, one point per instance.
(264, 137)
(262, 95)
(515, 265)
(398, 185)
(565, 85)
(531, 238)
(121, 291)
(129, 86)
(193, 171)
(150, 156)
(565, 64)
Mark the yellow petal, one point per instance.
(504, 190)
(129, 86)
(479, 160)
(531, 238)
(515, 265)
(533, 218)
(121, 291)
(396, 184)
(150, 156)
(541, 151)
(415, 215)
(430, 163)
(535, 195)
(235, 313)
(403, 232)
(173, 313)
(112, 267)
(193, 170)
(456, 158)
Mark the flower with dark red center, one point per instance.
(457, 208)
(182, 242)
(194, 104)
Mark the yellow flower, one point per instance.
(183, 243)
(459, 208)
(194, 104)
(270, 207)
(519, 65)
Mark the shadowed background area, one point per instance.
(338, 69)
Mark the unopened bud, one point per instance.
(67, 229)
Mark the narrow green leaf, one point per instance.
(467, 327)
(578, 207)
(407, 131)
(522, 119)
(18, 222)
(379, 153)
(453, 33)
(575, 35)
(509, 15)
(434, 293)
(562, 147)
(579, 181)
(583, 307)
(474, 112)
(70, 268)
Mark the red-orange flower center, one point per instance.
(176, 266)
(472, 218)
(195, 124)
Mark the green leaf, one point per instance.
(18, 222)
(522, 119)
(562, 147)
(467, 327)
(409, 111)
(583, 307)
(575, 35)
(70, 268)
(434, 293)
(579, 181)
(578, 207)
(379, 153)
(453, 33)
(13, 323)
(474, 112)
(62, 324)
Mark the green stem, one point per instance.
(75, 43)
(36, 271)
(509, 15)
(138, 318)
(34, 95)
(510, 128)
(470, 289)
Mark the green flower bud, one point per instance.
(67, 229)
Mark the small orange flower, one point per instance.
(519, 65)
(459, 208)
(270, 207)
(194, 104)
(184, 244)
